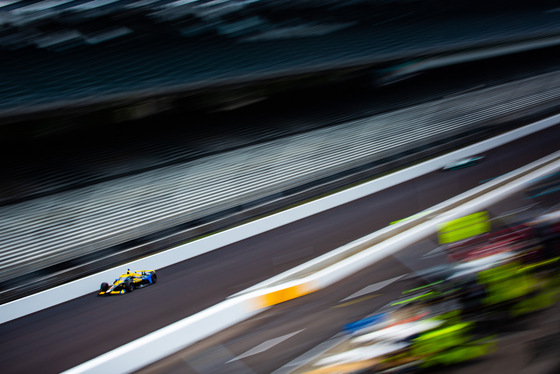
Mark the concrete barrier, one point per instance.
(291, 285)
(333, 267)
(161, 343)
(71, 290)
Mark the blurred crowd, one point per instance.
(460, 310)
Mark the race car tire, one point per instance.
(104, 287)
(154, 278)
(128, 286)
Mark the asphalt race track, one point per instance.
(66, 335)
(287, 336)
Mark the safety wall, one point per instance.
(83, 286)
(314, 275)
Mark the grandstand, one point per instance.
(96, 91)
(87, 54)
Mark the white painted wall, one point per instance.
(170, 339)
(69, 291)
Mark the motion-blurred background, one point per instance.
(127, 127)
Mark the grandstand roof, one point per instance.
(59, 53)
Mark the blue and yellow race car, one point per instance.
(128, 282)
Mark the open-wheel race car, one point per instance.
(128, 281)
